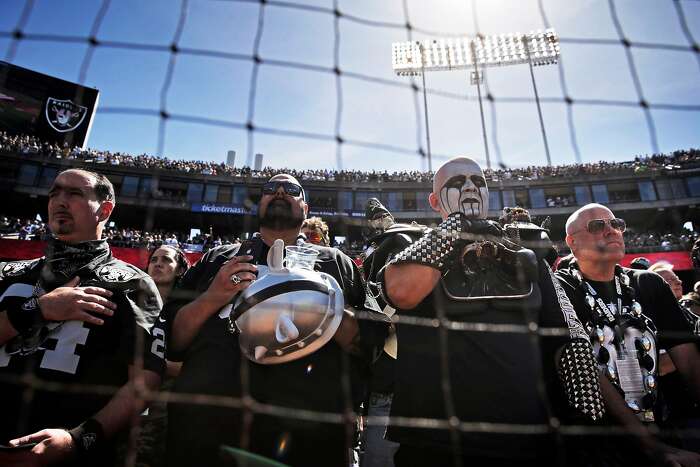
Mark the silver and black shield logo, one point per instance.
(64, 115)
(115, 274)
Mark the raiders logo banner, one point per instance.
(50, 108)
(64, 115)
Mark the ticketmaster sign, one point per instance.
(222, 209)
(241, 211)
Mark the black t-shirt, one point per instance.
(75, 352)
(658, 304)
(493, 376)
(652, 292)
(213, 365)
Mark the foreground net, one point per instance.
(420, 149)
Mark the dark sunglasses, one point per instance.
(596, 226)
(292, 189)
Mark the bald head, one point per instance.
(459, 186)
(579, 219)
(600, 248)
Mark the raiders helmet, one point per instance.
(288, 313)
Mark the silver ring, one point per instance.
(235, 279)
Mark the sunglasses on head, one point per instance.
(292, 189)
(596, 226)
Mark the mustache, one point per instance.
(281, 201)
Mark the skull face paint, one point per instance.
(461, 187)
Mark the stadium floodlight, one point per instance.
(536, 48)
(414, 57)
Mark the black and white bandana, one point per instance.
(64, 260)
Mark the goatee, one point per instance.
(279, 215)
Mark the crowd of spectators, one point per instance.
(23, 229)
(640, 164)
(560, 201)
(655, 241)
(24, 144)
(28, 229)
(31, 145)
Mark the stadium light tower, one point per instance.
(537, 48)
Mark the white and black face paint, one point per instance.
(465, 191)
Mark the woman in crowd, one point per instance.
(316, 231)
(166, 265)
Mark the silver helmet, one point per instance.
(289, 312)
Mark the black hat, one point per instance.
(374, 209)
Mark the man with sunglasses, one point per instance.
(77, 319)
(628, 314)
(328, 380)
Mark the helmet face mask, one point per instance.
(288, 313)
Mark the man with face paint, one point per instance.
(460, 277)
(462, 188)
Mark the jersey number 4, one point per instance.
(62, 357)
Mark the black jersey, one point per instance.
(75, 352)
(213, 365)
(660, 306)
(505, 376)
(651, 291)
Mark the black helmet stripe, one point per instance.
(277, 289)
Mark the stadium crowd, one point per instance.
(130, 237)
(31, 145)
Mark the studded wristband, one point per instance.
(25, 316)
(436, 245)
(579, 375)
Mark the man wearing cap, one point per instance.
(74, 336)
(628, 314)
(327, 382)
(469, 302)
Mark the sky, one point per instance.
(212, 90)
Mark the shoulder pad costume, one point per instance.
(483, 267)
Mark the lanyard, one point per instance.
(602, 308)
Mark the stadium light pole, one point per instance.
(536, 48)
